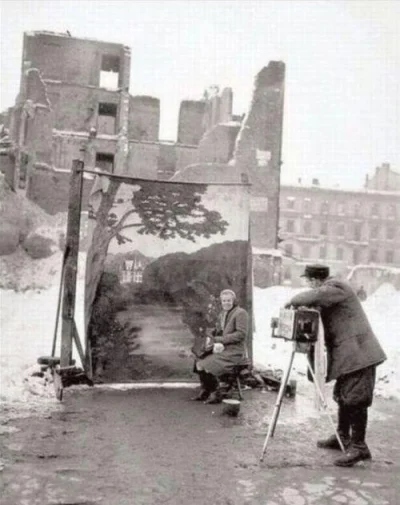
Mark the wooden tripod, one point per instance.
(302, 348)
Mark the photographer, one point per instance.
(227, 347)
(353, 353)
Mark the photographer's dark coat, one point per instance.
(232, 333)
(350, 342)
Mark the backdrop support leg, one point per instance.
(71, 264)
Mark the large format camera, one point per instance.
(297, 325)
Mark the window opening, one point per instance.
(109, 72)
(107, 118)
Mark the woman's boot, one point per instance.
(205, 391)
(215, 395)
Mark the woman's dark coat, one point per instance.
(350, 342)
(232, 334)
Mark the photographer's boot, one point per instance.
(333, 443)
(358, 450)
(343, 430)
(205, 390)
(353, 455)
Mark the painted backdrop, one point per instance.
(159, 254)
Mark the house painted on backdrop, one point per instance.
(132, 271)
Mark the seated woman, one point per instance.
(228, 347)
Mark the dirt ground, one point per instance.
(154, 446)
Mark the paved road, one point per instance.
(151, 447)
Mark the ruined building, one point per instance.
(74, 102)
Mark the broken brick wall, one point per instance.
(166, 161)
(67, 148)
(50, 190)
(78, 108)
(217, 145)
(218, 107)
(258, 151)
(185, 155)
(7, 167)
(153, 160)
(191, 122)
(143, 159)
(63, 58)
(144, 118)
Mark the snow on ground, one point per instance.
(382, 308)
(27, 323)
(28, 320)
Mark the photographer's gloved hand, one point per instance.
(218, 348)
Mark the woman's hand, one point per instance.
(209, 343)
(217, 348)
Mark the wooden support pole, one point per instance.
(250, 301)
(71, 265)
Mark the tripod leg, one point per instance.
(325, 405)
(277, 408)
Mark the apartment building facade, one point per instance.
(340, 227)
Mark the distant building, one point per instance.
(339, 227)
(384, 179)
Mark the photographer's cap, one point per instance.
(316, 271)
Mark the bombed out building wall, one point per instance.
(74, 102)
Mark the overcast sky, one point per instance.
(342, 112)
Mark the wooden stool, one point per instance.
(233, 378)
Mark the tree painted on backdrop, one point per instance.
(167, 210)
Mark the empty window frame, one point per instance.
(107, 118)
(374, 232)
(324, 228)
(357, 231)
(357, 209)
(290, 202)
(109, 72)
(356, 256)
(307, 227)
(290, 225)
(105, 161)
(324, 207)
(307, 206)
(373, 255)
(289, 250)
(341, 208)
(391, 211)
(375, 210)
(390, 232)
(306, 251)
(389, 256)
(340, 230)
